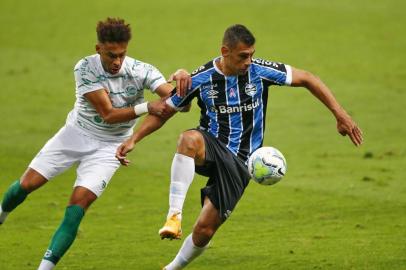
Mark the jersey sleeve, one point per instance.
(273, 72)
(178, 102)
(86, 79)
(199, 76)
(153, 77)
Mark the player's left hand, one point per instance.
(347, 126)
(122, 151)
(160, 108)
(183, 81)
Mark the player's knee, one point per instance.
(27, 186)
(204, 232)
(31, 181)
(189, 141)
(82, 197)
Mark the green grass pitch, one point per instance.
(339, 207)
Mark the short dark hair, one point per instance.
(113, 30)
(238, 33)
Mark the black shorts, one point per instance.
(228, 176)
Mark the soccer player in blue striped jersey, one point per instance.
(232, 93)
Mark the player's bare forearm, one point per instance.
(150, 124)
(101, 102)
(111, 115)
(345, 124)
(318, 89)
(119, 115)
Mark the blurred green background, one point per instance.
(339, 207)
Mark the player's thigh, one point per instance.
(96, 170)
(60, 152)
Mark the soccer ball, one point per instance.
(267, 165)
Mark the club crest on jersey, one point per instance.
(250, 89)
(130, 90)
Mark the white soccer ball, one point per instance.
(267, 165)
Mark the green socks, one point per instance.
(66, 233)
(13, 197)
(63, 237)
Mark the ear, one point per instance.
(225, 51)
(98, 48)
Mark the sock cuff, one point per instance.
(196, 247)
(75, 210)
(13, 197)
(16, 187)
(184, 158)
(20, 188)
(49, 256)
(46, 264)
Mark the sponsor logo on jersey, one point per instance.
(265, 62)
(250, 89)
(212, 93)
(210, 90)
(197, 70)
(236, 109)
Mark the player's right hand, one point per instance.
(347, 126)
(122, 151)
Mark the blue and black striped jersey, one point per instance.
(233, 108)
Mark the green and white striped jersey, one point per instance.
(125, 89)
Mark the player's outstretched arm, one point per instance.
(345, 124)
(102, 103)
(159, 113)
(150, 124)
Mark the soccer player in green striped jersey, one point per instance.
(109, 99)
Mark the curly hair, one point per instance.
(113, 30)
